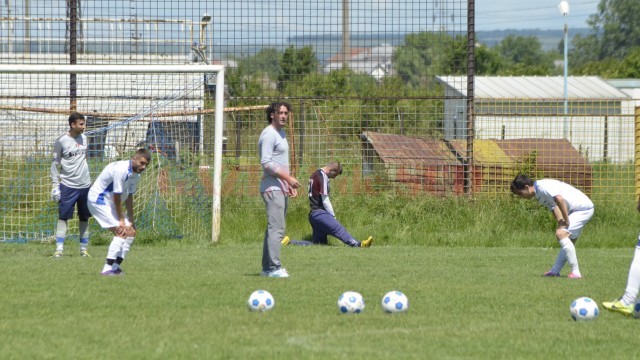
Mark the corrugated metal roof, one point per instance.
(399, 149)
(485, 152)
(535, 87)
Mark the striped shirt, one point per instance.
(318, 186)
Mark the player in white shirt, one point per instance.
(571, 208)
(625, 304)
(116, 185)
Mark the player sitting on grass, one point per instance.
(322, 217)
(571, 208)
(115, 185)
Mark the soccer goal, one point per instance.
(176, 111)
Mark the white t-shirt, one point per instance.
(116, 178)
(547, 189)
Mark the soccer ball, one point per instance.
(261, 300)
(636, 310)
(395, 302)
(350, 302)
(584, 308)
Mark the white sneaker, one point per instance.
(279, 273)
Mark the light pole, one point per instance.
(206, 18)
(564, 10)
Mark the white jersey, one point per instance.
(116, 178)
(547, 189)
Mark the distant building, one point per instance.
(376, 61)
(598, 123)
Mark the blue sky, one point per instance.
(251, 19)
(531, 14)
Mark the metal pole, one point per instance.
(217, 159)
(346, 51)
(565, 127)
(27, 27)
(471, 72)
(73, 52)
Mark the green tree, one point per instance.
(295, 64)
(421, 57)
(524, 50)
(266, 61)
(615, 32)
(455, 56)
(523, 56)
(488, 61)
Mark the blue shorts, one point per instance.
(69, 197)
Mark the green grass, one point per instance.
(185, 301)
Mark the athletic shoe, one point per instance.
(618, 306)
(57, 254)
(279, 273)
(367, 243)
(551, 274)
(108, 273)
(285, 241)
(574, 276)
(84, 253)
(117, 271)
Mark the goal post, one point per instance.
(136, 105)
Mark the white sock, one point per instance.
(106, 267)
(126, 246)
(572, 258)
(115, 248)
(633, 282)
(560, 261)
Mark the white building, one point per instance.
(598, 120)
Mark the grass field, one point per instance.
(187, 301)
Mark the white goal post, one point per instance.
(218, 70)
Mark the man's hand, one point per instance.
(293, 182)
(55, 193)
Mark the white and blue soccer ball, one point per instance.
(636, 310)
(350, 302)
(395, 302)
(261, 300)
(584, 309)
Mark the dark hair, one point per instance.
(335, 165)
(75, 116)
(274, 107)
(142, 152)
(520, 182)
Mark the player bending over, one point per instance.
(571, 208)
(116, 185)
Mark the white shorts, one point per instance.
(106, 215)
(577, 221)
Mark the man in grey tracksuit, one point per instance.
(276, 186)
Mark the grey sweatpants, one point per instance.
(276, 203)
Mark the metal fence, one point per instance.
(386, 87)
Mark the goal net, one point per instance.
(173, 110)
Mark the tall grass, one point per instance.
(433, 221)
